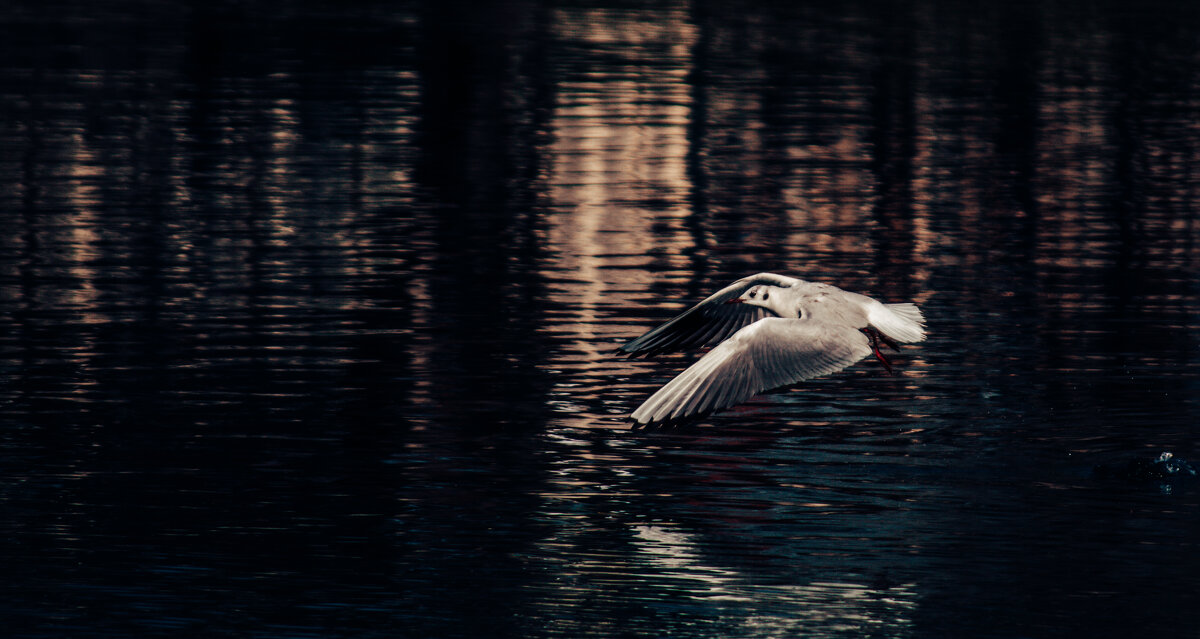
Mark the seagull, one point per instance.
(770, 331)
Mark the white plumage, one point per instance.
(770, 331)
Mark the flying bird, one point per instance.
(770, 331)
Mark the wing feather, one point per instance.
(770, 353)
(708, 322)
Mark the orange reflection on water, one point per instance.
(617, 177)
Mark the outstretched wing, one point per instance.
(709, 321)
(768, 354)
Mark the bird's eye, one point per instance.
(753, 293)
(765, 296)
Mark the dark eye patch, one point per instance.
(766, 295)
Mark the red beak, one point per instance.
(736, 300)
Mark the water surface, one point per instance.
(307, 319)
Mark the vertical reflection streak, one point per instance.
(619, 143)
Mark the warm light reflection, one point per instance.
(81, 231)
(618, 141)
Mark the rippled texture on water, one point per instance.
(307, 318)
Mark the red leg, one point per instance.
(875, 338)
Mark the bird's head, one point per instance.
(762, 295)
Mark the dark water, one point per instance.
(306, 318)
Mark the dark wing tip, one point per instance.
(634, 353)
(671, 423)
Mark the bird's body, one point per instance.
(769, 331)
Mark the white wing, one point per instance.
(709, 321)
(770, 353)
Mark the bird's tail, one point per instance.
(901, 322)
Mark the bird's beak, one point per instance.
(736, 300)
